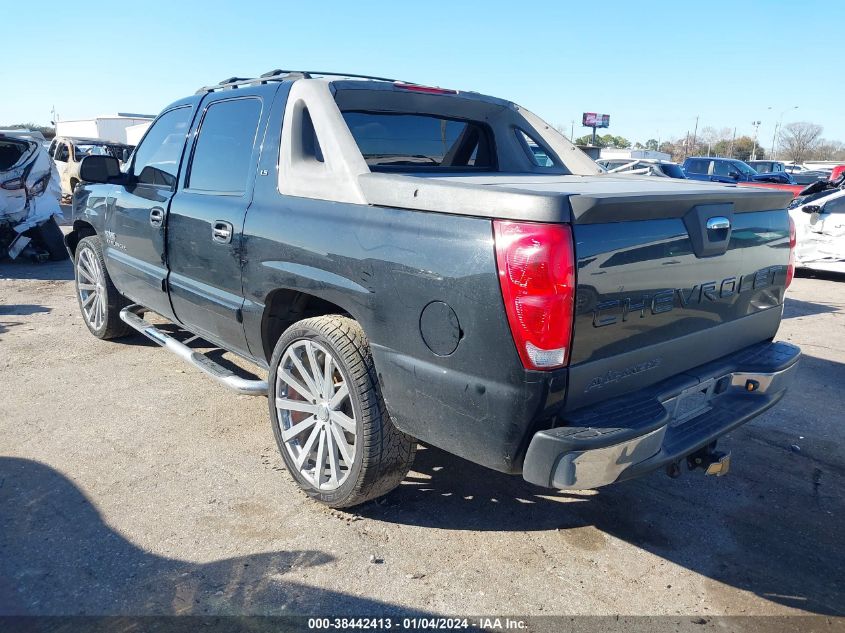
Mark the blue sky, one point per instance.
(653, 66)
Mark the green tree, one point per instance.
(652, 144)
(743, 147)
(606, 140)
(48, 131)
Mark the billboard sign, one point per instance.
(591, 119)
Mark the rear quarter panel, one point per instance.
(384, 266)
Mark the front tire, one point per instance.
(99, 300)
(328, 415)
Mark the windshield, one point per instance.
(81, 151)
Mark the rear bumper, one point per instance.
(631, 435)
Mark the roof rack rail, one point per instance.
(280, 75)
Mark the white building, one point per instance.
(109, 127)
(134, 133)
(612, 152)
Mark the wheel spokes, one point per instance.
(321, 443)
(328, 376)
(296, 405)
(343, 421)
(308, 447)
(299, 427)
(320, 463)
(313, 389)
(315, 368)
(339, 396)
(290, 381)
(347, 453)
(92, 297)
(334, 467)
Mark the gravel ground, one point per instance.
(132, 484)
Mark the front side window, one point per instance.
(406, 142)
(744, 169)
(157, 157)
(62, 153)
(724, 168)
(222, 155)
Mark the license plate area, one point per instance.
(692, 402)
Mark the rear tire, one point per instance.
(323, 382)
(99, 300)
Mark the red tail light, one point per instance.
(13, 184)
(790, 268)
(537, 273)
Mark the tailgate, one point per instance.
(667, 287)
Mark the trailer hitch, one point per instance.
(711, 461)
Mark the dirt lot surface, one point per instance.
(132, 484)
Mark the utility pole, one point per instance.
(572, 131)
(695, 133)
(756, 125)
(731, 146)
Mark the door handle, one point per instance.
(221, 231)
(156, 217)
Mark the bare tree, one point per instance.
(829, 150)
(798, 141)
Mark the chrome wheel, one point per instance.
(316, 419)
(90, 284)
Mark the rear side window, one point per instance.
(835, 206)
(404, 142)
(157, 157)
(537, 154)
(222, 156)
(696, 166)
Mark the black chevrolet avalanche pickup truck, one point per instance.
(415, 264)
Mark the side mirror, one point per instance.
(101, 169)
(811, 208)
(734, 175)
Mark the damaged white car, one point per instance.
(29, 202)
(820, 232)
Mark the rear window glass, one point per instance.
(403, 142)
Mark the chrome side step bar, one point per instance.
(130, 316)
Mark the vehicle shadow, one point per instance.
(773, 527)
(793, 308)
(18, 310)
(22, 309)
(48, 271)
(58, 557)
(806, 273)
